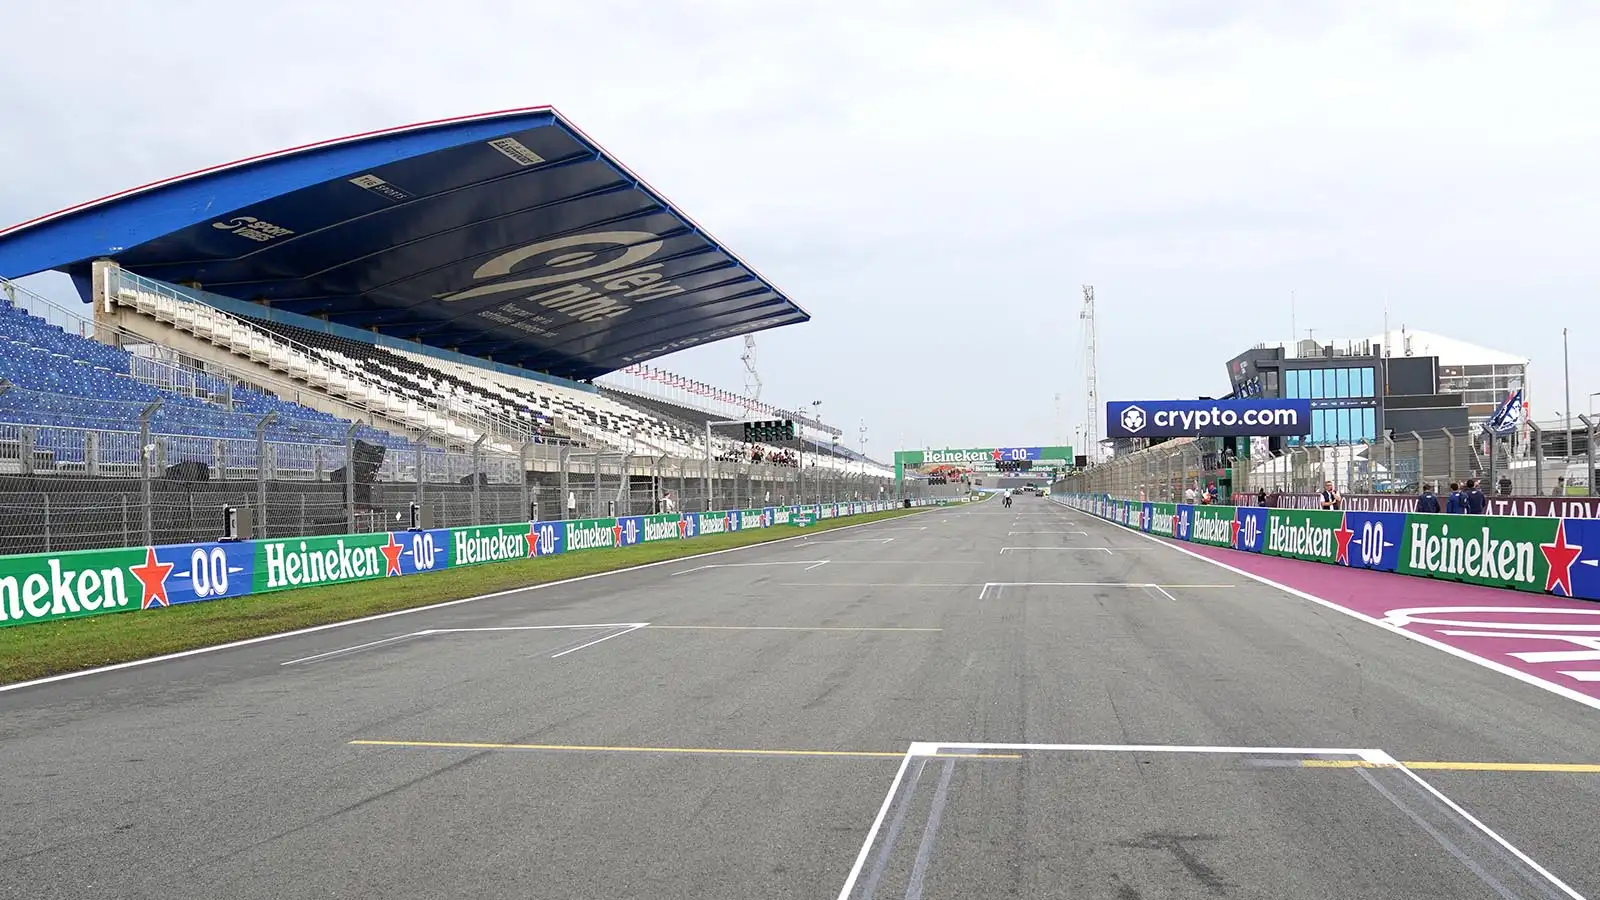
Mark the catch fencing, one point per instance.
(1542, 464)
(120, 483)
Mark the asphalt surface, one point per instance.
(523, 763)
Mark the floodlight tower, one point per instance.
(1091, 431)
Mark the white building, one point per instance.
(1483, 377)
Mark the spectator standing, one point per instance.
(572, 505)
(1330, 496)
(1455, 503)
(1561, 487)
(1429, 501)
(1188, 495)
(1261, 497)
(1474, 499)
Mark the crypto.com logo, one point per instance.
(1133, 419)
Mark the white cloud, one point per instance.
(935, 180)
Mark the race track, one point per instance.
(970, 703)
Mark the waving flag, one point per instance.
(1508, 418)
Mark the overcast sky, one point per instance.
(935, 180)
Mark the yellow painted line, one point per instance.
(702, 751)
(786, 628)
(1437, 766)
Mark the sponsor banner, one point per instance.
(1164, 519)
(826, 511)
(547, 538)
(779, 515)
(189, 573)
(1506, 551)
(1213, 525)
(1370, 540)
(1252, 533)
(1219, 418)
(590, 534)
(715, 523)
(480, 544)
(39, 587)
(752, 518)
(1553, 507)
(1574, 560)
(1180, 526)
(304, 562)
(631, 530)
(1303, 534)
(667, 527)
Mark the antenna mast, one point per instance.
(752, 379)
(1092, 425)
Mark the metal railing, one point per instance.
(1400, 463)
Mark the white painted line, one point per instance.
(888, 584)
(1584, 675)
(1487, 831)
(433, 631)
(185, 654)
(789, 628)
(792, 562)
(599, 640)
(815, 565)
(1526, 678)
(1163, 592)
(387, 640)
(852, 541)
(1084, 533)
(1105, 550)
(877, 823)
(930, 748)
(1122, 584)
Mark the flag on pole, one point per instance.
(1508, 418)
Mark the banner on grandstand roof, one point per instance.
(1196, 418)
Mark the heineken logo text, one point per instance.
(1478, 556)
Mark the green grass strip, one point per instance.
(36, 651)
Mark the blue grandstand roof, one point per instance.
(509, 234)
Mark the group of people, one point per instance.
(757, 454)
(1466, 498)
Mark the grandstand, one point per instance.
(207, 369)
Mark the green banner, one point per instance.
(1303, 534)
(1500, 551)
(587, 534)
(1164, 519)
(39, 587)
(488, 543)
(661, 528)
(1212, 525)
(301, 562)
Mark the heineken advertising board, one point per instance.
(922, 461)
(1526, 553)
(42, 587)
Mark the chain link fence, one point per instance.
(111, 484)
(1539, 464)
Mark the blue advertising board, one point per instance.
(549, 538)
(1252, 533)
(1218, 418)
(1371, 540)
(207, 571)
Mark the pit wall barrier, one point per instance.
(1555, 556)
(43, 587)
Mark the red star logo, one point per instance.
(1233, 540)
(1174, 523)
(391, 555)
(727, 522)
(616, 535)
(153, 575)
(683, 528)
(997, 454)
(533, 540)
(1343, 535)
(1560, 555)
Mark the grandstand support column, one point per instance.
(477, 479)
(526, 490)
(422, 463)
(260, 524)
(146, 454)
(350, 478)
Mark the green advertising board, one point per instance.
(1212, 525)
(1303, 534)
(39, 587)
(588, 534)
(1498, 551)
(302, 562)
(979, 457)
(488, 543)
(1164, 519)
(661, 528)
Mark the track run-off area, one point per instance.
(968, 702)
